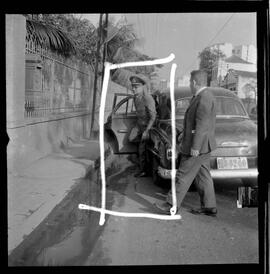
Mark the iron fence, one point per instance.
(54, 85)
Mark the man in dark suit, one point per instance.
(197, 143)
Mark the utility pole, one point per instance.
(218, 62)
(105, 44)
(96, 74)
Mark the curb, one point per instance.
(81, 185)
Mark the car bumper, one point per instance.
(251, 173)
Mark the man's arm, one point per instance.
(151, 108)
(203, 114)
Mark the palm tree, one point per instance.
(51, 37)
(68, 36)
(120, 47)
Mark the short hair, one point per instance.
(200, 77)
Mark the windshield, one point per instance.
(225, 106)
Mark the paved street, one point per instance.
(232, 237)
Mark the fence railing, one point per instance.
(54, 85)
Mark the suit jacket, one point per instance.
(199, 124)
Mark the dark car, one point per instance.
(236, 135)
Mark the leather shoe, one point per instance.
(164, 207)
(210, 211)
(141, 174)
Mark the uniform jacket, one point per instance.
(199, 124)
(145, 108)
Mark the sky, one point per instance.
(186, 34)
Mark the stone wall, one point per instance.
(32, 142)
(34, 136)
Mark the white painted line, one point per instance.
(144, 63)
(173, 210)
(101, 140)
(128, 214)
(102, 210)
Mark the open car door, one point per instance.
(120, 122)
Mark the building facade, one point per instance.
(221, 68)
(48, 100)
(246, 52)
(243, 83)
(241, 57)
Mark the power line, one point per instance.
(143, 29)
(156, 44)
(208, 44)
(140, 29)
(221, 29)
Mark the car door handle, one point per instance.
(122, 131)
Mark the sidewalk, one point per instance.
(33, 193)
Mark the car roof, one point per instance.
(182, 92)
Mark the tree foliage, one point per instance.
(50, 36)
(208, 58)
(69, 35)
(120, 47)
(78, 32)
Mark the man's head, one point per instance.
(198, 79)
(137, 83)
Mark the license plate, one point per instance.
(232, 163)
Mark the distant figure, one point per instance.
(146, 115)
(198, 141)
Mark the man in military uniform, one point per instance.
(146, 115)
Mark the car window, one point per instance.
(118, 97)
(126, 107)
(122, 108)
(225, 106)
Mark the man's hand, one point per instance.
(194, 152)
(145, 135)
